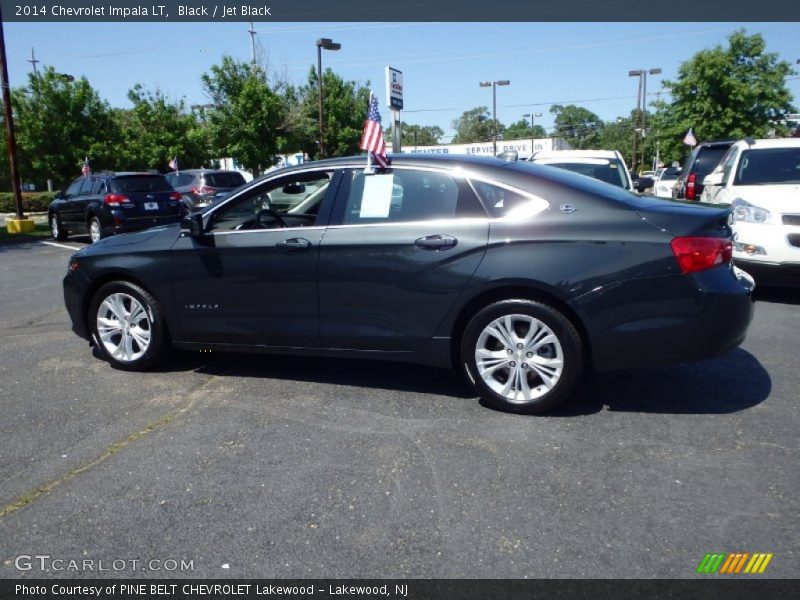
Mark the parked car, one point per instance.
(703, 159)
(106, 203)
(605, 165)
(201, 187)
(665, 181)
(516, 274)
(761, 180)
(643, 181)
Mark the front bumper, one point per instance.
(75, 286)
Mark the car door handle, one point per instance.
(293, 245)
(436, 242)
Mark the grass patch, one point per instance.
(41, 231)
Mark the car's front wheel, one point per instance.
(128, 326)
(522, 356)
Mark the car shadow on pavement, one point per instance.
(777, 295)
(730, 383)
(336, 371)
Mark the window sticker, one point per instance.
(376, 201)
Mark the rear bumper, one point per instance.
(126, 225)
(667, 320)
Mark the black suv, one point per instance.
(201, 187)
(102, 204)
(700, 163)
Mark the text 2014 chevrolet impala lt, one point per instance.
(520, 274)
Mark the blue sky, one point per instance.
(581, 63)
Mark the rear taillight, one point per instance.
(691, 189)
(175, 196)
(116, 199)
(203, 190)
(700, 253)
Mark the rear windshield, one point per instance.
(771, 165)
(601, 169)
(709, 158)
(140, 183)
(224, 180)
(180, 179)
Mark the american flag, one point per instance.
(372, 138)
(173, 164)
(86, 169)
(690, 140)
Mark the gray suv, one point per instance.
(201, 187)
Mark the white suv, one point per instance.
(605, 165)
(760, 179)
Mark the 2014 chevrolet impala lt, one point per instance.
(521, 275)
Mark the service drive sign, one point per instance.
(394, 88)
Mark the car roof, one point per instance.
(576, 154)
(769, 143)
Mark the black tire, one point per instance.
(519, 373)
(57, 228)
(95, 224)
(122, 296)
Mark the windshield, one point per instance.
(769, 166)
(604, 170)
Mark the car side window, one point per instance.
(285, 202)
(74, 188)
(86, 186)
(502, 202)
(403, 195)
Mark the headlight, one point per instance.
(749, 213)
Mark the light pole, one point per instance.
(327, 44)
(531, 115)
(494, 85)
(640, 105)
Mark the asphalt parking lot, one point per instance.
(262, 466)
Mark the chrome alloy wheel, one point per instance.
(95, 232)
(124, 326)
(519, 357)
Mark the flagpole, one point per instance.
(369, 152)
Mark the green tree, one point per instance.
(732, 92)
(156, 130)
(475, 125)
(248, 119)
(578, 126)
(420, 135)
(522, 129)
(344, 110)
(58, 123)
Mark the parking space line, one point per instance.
(60, 245)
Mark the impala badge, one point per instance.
(567, 208)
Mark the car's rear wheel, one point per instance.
(128, 326)
(522, 356)
(56, 228)
(95, 230)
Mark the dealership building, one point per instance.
(523, 147)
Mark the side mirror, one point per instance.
(714, 178)
(193, 223)
(294, 188)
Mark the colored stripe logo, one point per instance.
(734, 563)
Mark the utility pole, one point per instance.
(33, 62)
(252, 33)
(20, 224)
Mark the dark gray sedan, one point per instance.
(519, 275)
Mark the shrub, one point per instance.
(31, 202)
